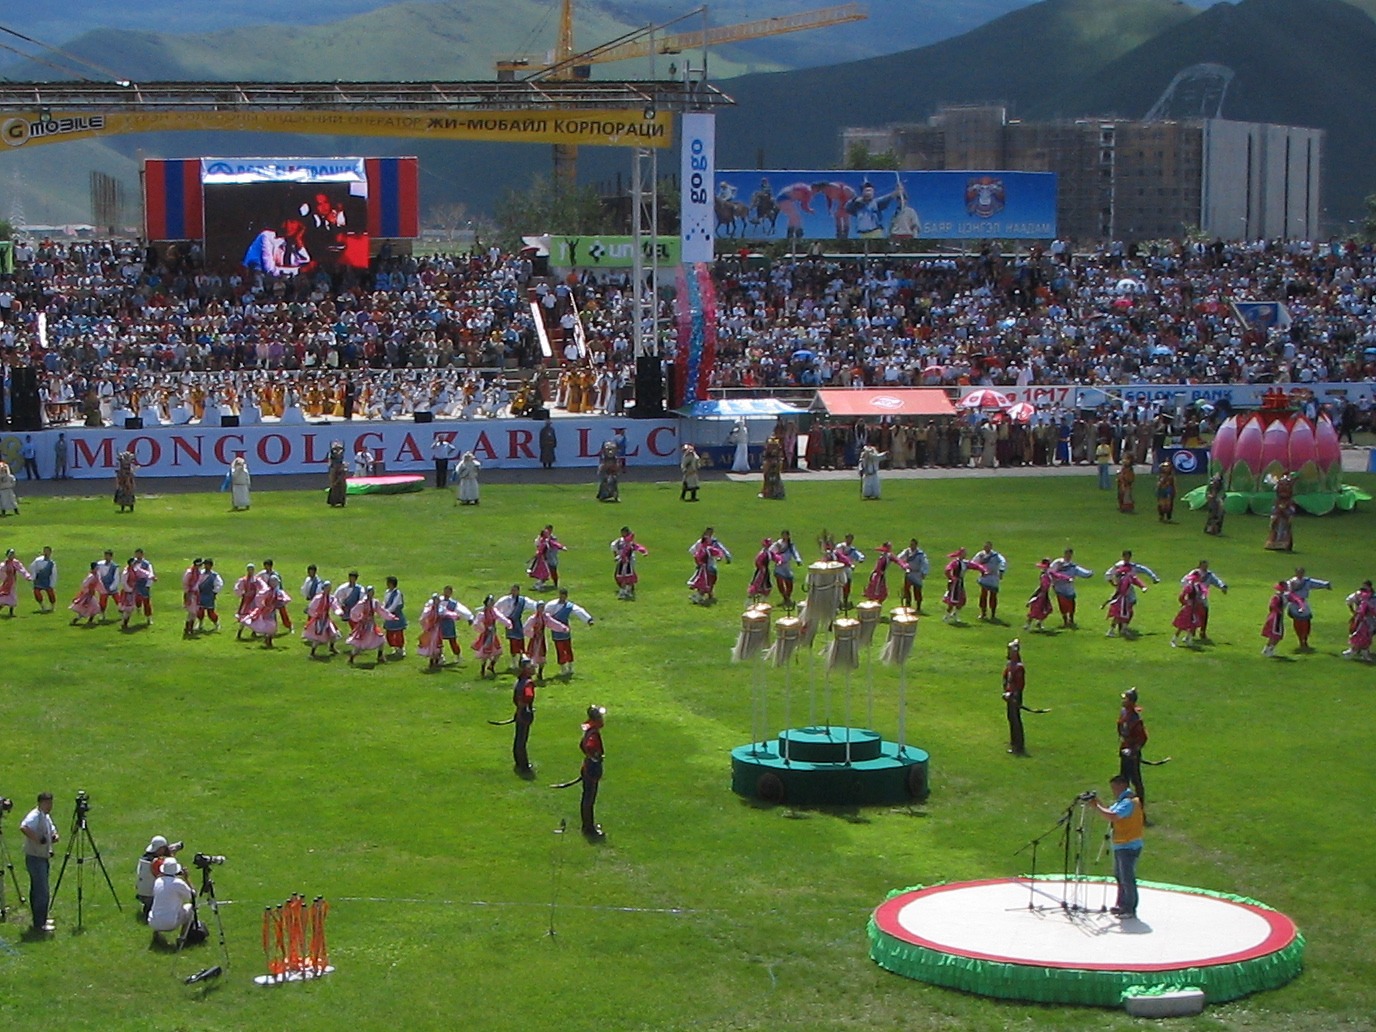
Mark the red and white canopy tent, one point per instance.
(893, 402)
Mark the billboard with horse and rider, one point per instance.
(793, 205)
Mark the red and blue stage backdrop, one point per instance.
(821, 204)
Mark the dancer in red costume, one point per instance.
(1273, 630)
(1039, 605)
(877, 589)
(626, 549)
(955, 598)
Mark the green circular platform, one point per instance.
(808, 767)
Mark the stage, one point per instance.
(1049, 940)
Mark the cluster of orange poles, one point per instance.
(294, 939)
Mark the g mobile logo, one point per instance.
(219, 168)
(19, 131)
(15, 131)
(1184, 461)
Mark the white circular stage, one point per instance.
(1052, 940)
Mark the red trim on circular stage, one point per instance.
(1281, 931)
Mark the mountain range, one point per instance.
(1304, 62)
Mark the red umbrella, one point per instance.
(985, 398)
(1022, 412)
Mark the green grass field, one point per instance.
(386, 790)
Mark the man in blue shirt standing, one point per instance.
(1126, 816)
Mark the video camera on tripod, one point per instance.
(6, 866)
(1087, 797)
(204, 862)
(83, 804)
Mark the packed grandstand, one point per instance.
(119, 329)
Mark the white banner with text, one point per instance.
(195, 451)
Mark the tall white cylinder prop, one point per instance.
(868, 613)
(823, 598)
(844, 654)
(787, 634)
(902, 635)
(753, 637)
(750, 645)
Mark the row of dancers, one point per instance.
(262, 604)
(777, 559)
(513, 623)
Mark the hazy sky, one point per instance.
(55, 21)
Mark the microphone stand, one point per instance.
(1063, 821)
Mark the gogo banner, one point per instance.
(197, 451)
(884, 205)
(698, 160)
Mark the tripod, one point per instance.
(9, 868)
(78, 841)
(207, 892)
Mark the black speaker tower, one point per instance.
(25, 411)
(649, 388)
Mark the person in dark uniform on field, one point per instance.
(523, 699)
(1014, 680)
(591, 773)
(549, 443)
(1132, 736)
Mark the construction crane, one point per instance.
(564, 64)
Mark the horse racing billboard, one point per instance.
(793, 205)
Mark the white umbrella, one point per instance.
(985, 398)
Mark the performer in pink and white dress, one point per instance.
(367, 634)
(191, 579)
(1362, 603)
(1189, 619)
(705, 551)
(877, 589)
(760, 584)
(487, 646)
(268, 602)
(10, 572)
(1122, 604)
(544, 565)
(537, 651)
(126, 600)
(1273, 630)
(955, 598)
(431, 644)
(1039, 605)
(246, 588)
(87, 600)
(320, 627)
(626, 549)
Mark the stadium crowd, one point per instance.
(117, 328)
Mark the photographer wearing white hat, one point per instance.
(149, 867)
(172, 896)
